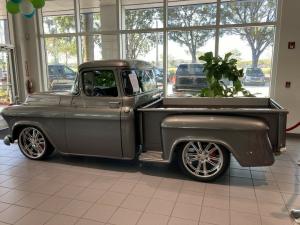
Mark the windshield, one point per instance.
(190, 69)
(254, 72)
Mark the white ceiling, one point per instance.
(3, 14)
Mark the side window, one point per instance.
(131, 82)
(60, 70)
(138, 81)
(99, 83)
(68, 70)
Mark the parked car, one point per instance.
(60, 72)
(116, 111)
(254, 76)
(61, 85)
(61, 77)
(190, 77)
(159, 76)
(3, 76)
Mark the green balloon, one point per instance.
(12, 7)
(38, 3)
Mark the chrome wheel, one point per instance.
(32, 143)
(203, 159)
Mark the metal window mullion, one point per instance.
(154, 30)
(77, 29)
(217, 34)
(59, 35)
(165, 46)
(118, 28)
(275, 52)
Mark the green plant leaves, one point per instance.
(216, 69)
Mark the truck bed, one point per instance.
(266, 109)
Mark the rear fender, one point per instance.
(246, 138)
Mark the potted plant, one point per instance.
(218, 69)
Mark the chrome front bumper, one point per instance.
(7, 140)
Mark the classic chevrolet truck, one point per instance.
(116, 111)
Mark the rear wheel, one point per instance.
(203, 161)
(33, 143)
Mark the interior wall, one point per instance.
(27, 54)
(288, 62)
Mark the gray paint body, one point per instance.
(116, 127)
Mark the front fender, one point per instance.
(24, 123)
(50, 120)
(246, 138)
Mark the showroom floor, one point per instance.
(90, 191)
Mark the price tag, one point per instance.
(134, 82)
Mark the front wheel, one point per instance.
(203, 161)
(33, 143)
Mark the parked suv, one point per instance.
(190, 77)
(254, 76)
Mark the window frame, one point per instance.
(165, 29)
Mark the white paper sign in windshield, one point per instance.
(134, 82)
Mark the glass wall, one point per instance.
(73, 35)
(136, 17)
(253, 45)
(4, 32)
(140, 29)
(5, 58)
(59, 25)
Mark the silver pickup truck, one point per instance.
(116, 111)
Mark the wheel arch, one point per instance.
(246, 138)
(17, 128)
(183, 140)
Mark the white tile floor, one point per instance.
(90, 191)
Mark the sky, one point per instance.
(226, 45)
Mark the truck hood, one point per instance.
(45, 98)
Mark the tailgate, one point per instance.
(281, 124)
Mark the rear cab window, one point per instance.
(190, 69)
(99, 83)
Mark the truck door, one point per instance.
(93, 121)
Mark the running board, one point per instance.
(152, 156)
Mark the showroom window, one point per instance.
(72, 34)
(4, 31)
(59, 26)
(8, 87)
(170, 34)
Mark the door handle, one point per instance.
(114, 105)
